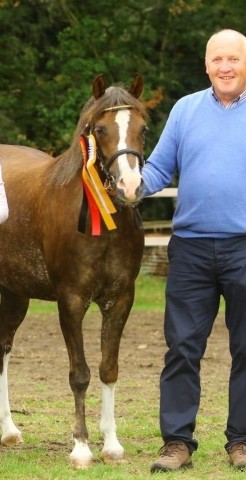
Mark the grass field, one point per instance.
(149, 297)
(46, 417)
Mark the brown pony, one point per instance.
(62, 245)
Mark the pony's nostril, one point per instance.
(140, 190)
(121, 183)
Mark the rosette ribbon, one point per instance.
(99, 202)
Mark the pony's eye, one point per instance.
(100, 130)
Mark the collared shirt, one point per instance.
(241, 98)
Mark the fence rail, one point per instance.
(159, 240)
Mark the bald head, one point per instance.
(225, 37)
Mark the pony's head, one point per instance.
(117, 120)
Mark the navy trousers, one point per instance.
(200, 271)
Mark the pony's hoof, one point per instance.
(82, 463)
(10, 440)
(113, 457)
(81, 456)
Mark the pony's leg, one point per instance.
(71, 314)
(113, 324)
(12, 311)
(112, 449)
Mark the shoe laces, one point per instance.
(171, 448)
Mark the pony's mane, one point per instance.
(66, 166)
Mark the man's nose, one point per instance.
(225, 66)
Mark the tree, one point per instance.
(50, 53)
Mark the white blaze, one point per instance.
(122, 118)
(130, 178)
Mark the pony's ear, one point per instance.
(98, 86)
(136, 87)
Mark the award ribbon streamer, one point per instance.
(99, 188)
(97, 196)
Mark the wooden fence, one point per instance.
(157, 236)
(154, 226)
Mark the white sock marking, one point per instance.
(111, 446)
(81, 455)
(6, 423)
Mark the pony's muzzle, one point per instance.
(130, 190)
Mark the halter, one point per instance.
(110, 181)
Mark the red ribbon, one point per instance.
(95, 214)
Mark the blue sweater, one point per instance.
(205, 144)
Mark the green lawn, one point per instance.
(47, 425)
(149, 296)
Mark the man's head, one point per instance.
(225, 62)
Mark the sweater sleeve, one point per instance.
(4, 209)
(161, 165)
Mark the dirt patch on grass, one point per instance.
(39, 364)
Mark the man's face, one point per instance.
(226, 65)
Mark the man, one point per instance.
(204, 142)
